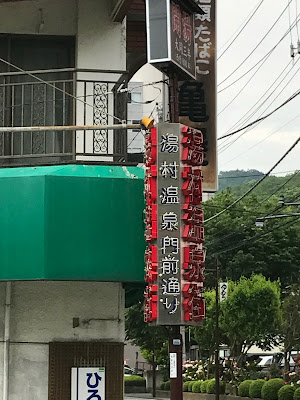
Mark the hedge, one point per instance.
(134, 380)
(211, 387)
(196, 387)
(203, 386)
(297, 394)
(243, 389)
(255, 388)
(286, 392)
(270, 389)
(190, 386)
(185, 386)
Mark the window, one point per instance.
(134, 97)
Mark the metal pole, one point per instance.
(217, 361)
(175, 347)
(14, 129)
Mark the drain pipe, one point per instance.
(6, 341)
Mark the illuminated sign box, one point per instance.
(170, 35)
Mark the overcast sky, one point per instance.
(231, 14)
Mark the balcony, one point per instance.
(62, 97)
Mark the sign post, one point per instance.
(88, 383)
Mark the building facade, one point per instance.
(71, 201)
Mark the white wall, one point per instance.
(24, 17)
(101, 43)
(42, 312)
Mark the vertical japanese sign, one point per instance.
(182, 38)
(174, 226)
(88, 384)
(198, 98)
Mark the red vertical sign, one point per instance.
(174, 226)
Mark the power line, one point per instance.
(263, 95)
(264, 117)
(254, 175)
(53, 86)
(258, 62)
(267, 137)
(247, 22)
(249, 129)
(256, 184)
(263, 38)
(255, 238)
(244, 227)
(217, 239)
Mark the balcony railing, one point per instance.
(62, 98)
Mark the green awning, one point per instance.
(72, 222)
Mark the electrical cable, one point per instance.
(256, 184)
(53, 86)
(255, 238)
(296, 1)
(226, 146)
(262, 140)
(218, 239)
(258, 62)
(248, 225)
(264, 117)
(289, 14)
(254, 175)
(255, 48)
(280, 187)
(247, 22)
(243, 119)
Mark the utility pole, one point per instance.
(175, 342)
(217, 360)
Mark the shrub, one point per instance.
(185, 386)
(243, 389)
(190, 386)
(286, 392)
(134, 380)
(255, 388)
(297, 394)
(167, 385)
(203, 386)
(211, 386)
(270, 389)
(196, 387)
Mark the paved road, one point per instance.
(141, 396)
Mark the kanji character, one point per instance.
(169, 143)
(169, 221)
(170, 242)
(169, 266)
(169, 169)
(169, 195)
(171, 306)
(171, 286)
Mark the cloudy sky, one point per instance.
(279, 74)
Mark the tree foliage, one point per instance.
(152, 340)
(250, 315)
(243, 249)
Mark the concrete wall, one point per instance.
(101, 44)
(42, 312)
(25, 18)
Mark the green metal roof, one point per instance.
(72, 222)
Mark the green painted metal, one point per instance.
(73, 222)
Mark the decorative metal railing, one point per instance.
(65, 97)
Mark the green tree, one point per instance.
(152, 340)
(290, 328)
(243, 249)
(250, 315)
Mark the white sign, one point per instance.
(223, 291)
(88, 384)
(173, 365)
